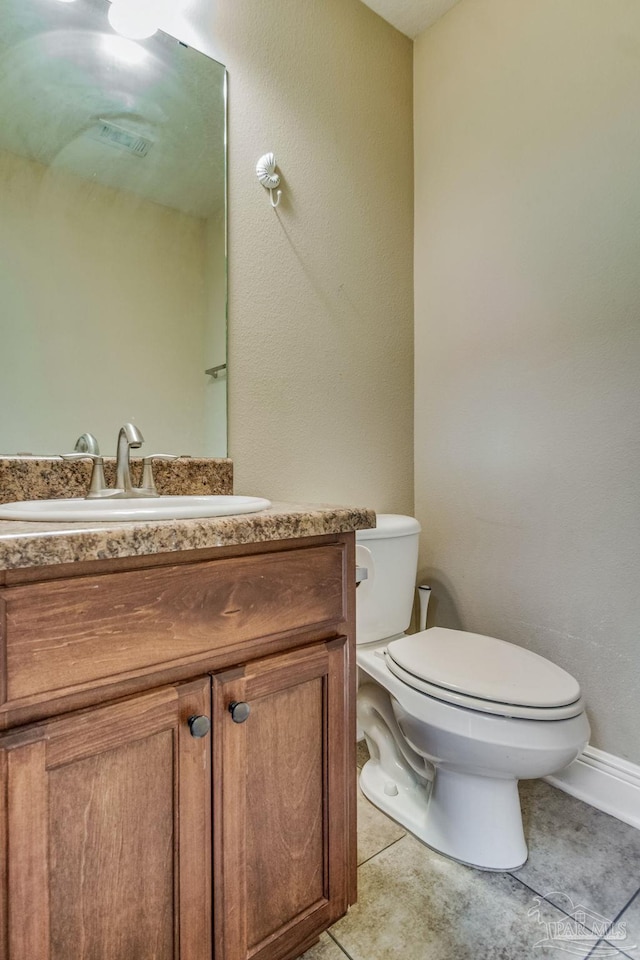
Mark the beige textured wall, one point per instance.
(93, 280)
(528, 335)
(320, 292)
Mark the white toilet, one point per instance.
(452, 719)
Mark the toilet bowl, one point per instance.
(452, 719)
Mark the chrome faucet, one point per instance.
(128, 437)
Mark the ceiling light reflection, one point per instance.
(135, 19)
(119, 48)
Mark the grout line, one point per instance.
(374, 855)
(536, 892)
(550, 902)
(602, 939)
(592, 952)
(610, 946)
(339, 945)
(626, 906)
(627, 956)
(635, 896)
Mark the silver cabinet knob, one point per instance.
(199, 726)
(239, 711)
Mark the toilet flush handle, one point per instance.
(364, 563)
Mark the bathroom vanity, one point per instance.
(177, 736)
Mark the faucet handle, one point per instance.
(87, 443)
(98, 485)
(148, 482)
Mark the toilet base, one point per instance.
(475, 820)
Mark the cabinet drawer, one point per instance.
(67, 634)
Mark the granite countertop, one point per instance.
(35, 544)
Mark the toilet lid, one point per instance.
(472, 665)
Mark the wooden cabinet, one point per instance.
(281, 802)
(108, 816)
(124, 836)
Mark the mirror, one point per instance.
(112, 234)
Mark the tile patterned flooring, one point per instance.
(414, 904)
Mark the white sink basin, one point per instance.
(154, 508)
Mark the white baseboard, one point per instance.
(604, 781)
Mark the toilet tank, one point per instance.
(384, 600)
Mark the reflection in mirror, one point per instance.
(112, 234)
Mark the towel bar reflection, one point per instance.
(214, 371)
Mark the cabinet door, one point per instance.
(281, 802)
(107, 814)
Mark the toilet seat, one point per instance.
(485, 674)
